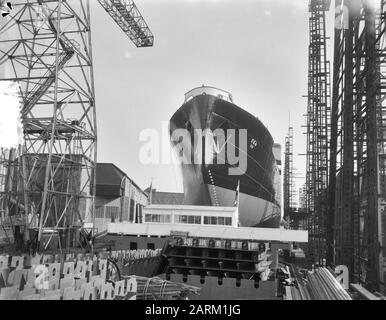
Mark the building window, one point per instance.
(140, 213)
(219, 221)
(157, 218)
(133, 246)
(151, 246)
(188, 219)
(100, 212)
(111, 212)
(125, 214)
(131, 213)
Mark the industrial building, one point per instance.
(118, 198)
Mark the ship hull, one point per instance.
(206, 182)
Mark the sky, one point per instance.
(255, 49)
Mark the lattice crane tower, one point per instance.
(45, 47)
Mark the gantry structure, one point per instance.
(357, 192)
(288, 182)
(46, 48)
(318, 130)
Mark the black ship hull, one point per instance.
(257, 190)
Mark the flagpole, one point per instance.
(151, 191)
(237, 201)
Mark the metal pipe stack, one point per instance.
(159, 289)
(319, 284)
(322, 285)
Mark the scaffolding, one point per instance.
(357, 192)
(318, 130)
(46, 50)
(288, 183)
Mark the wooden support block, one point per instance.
(71, 294)
(80, 257)
(39, 277)
(25, 293)
(68, 270)
(9, 293)
(107, 292)
(37, 259)
(66, 283)
(17, 262)
(17, 278)
(94, 278)
(88, 256)
(54, 271)
(79, 282)
(26, 261)
(48, 258)
(69, 257)
(4, 261)
(102, 268)
(31, 276)
(89, 265)
(97, 284)
(87, 291)
(102, 255)
(120, 288)
(4, 273)
(54, 284)
(131, 285)
(32, 297)
(97, 281)
(80, 269)
(94, 268)
(51, 295)
(29, 286)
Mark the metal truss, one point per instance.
(358, 169)
(318, 130)
(45, 47)
(288, 183)
(126, 14)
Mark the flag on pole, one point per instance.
(236, 204)
(151, 191)
(237, 198)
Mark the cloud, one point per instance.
(291, 4)
(128, 54)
